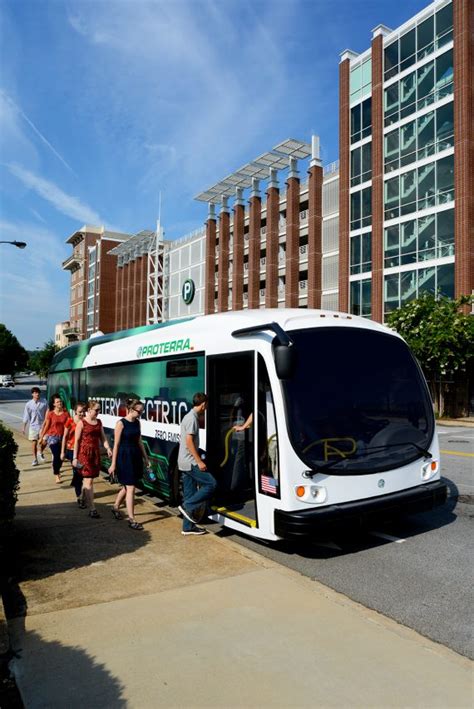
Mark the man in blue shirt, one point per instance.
(33, 418)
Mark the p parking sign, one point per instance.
(188, 291)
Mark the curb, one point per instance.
(463, 423)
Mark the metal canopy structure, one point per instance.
(276, 159)
(294, 149)
(150, 244)
(136, 245)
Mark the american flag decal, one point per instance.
(269, 484)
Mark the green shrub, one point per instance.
(9, 476)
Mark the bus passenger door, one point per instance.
(230, 454)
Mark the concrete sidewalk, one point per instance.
(118, 618)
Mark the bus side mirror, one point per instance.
(285, 361)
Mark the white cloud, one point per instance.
(64, 203)
(8, 100)
(37, 215)
(197, 76)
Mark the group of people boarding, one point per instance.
(78, 439)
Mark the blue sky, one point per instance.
(103, 104)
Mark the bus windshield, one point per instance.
(357, 402)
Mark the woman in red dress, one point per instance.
(89, 435)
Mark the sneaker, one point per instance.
(40, 458)
(195, 532)
(34, 462)
(187, 515)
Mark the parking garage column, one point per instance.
(315, 224)
(223, 267)
(255, 224)
(292, 236)
(210, 260)
(238, 251)
(272, 239)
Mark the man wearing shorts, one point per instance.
(33, 419)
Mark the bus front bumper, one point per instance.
(308, 523)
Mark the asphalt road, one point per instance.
(417, 571)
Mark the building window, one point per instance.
(444, 26)
(361, 164)
(425, 37)
(361, 120)
(361, 253)
(429, 35)
(360, 80)
(420, 188)
(401, 288)
(361, 208)
(360, 293)
(423, 87)
(422, 239)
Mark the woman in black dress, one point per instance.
(127, 460)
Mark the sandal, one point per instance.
(94, 514)
(135, 525)
(116, 513)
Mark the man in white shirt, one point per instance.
(33, 418)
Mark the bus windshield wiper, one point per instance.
(358, 454)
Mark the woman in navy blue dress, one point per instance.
(128, 458)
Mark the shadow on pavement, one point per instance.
(354, 539)
(75, 676)
(50, 539)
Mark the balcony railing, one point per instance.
(71, 331)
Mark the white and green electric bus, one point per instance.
(342, 426)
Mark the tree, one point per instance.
(13, 357)
(40, 361)
(441, 336)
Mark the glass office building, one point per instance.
(406, 163)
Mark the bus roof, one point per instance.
(72, 356)
(206, 326)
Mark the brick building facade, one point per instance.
(93, 281)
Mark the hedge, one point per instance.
(9, 477)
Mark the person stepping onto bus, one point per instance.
(52, 432)
(33, 417)
(127, 460)
(198, 483)
(67, 451)
(89, 435)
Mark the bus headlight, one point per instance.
(312, 494)
(429, 470)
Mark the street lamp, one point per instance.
(18, 244)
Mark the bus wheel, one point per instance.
(176, 485)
